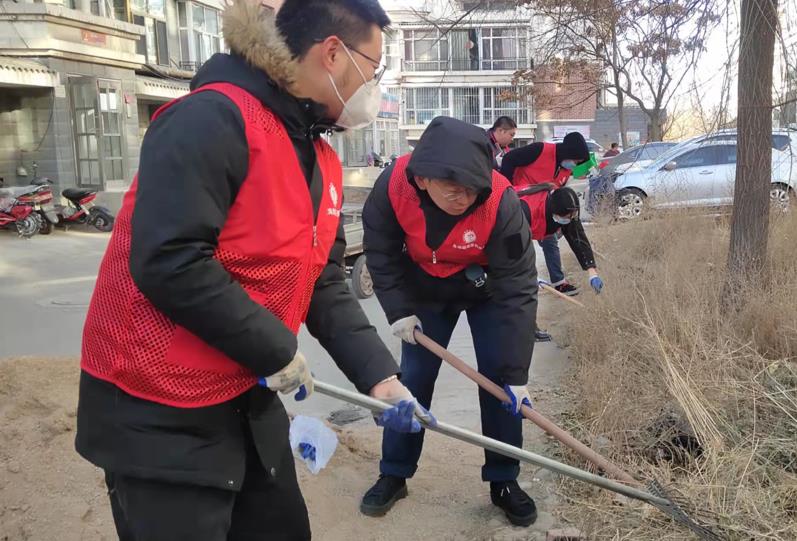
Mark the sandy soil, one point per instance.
(48, 492)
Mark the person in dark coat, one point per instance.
(542, 163)
(229, 238)
(555, 211)
(446, 234)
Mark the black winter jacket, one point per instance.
(450, 149)
(194, 160)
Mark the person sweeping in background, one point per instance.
(553, 211)
(445, 233)
(548, 163)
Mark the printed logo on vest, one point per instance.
(333, 195)
(469, 238)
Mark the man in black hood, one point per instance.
(444, 234)
(548, 162)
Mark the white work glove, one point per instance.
(296, 375)
(518, 396)
(405, 327)
(394, 392)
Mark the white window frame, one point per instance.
(193, 57)
(440, 44)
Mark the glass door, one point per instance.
(99, 131)
(83, 99)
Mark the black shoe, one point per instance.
(516, 504)
(381, 497)
(568, 289)
(541, 336)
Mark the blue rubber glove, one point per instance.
(518, 396)
(596, 283)
(401, 417)
(307, 451)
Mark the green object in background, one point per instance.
(586, 169)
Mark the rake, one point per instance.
(656, 495)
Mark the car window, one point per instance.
(696, 158)
(650, 153)
(725, 154)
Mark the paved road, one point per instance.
(46, 284)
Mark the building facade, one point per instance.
(440, 62)
(79, 81)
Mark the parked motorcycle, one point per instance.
(80, 209)
(40, 198)
(18, 215)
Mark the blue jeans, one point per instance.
(553, 260)
(419, 369)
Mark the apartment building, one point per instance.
(443, 62)
(80, 79)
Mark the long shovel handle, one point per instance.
(497, 446)
(553, 290)
(532, 415)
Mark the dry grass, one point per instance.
(676, 384)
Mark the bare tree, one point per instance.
(648, 46)
(750, 220)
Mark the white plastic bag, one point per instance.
(314, 432)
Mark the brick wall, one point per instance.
(24, 120)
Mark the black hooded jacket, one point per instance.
(572, 147)
(453, 150)
(194, 160)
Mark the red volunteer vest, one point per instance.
(466, 242)
(542, 170)
(536, 203)
(269, 244)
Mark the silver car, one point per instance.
(699, 172)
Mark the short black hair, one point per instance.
(505, 123)
(303, 23)
(615, 145)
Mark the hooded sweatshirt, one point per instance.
(453, 150)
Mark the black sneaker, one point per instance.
(541, 336)
(568, 289)
(381, 497)
(516, 504)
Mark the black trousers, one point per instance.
(269, 506)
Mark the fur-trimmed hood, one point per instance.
(250, 31)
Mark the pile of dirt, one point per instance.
(48, 492)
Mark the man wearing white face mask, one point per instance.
(228, 240)
(549, 211)
(551, 163)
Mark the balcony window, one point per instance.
(504, 49)
(466, 49)
(199, 32)
(421, 105)
(154, 44)
(425, 50)
(473, 105)
(466, 105)
(507, 101)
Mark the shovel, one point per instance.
(657, 496)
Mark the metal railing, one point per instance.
(467, 64)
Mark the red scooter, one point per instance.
(18, 215)
(79, 210)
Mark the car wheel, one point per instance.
(781, 197)
(631, 204)
(361, 281)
